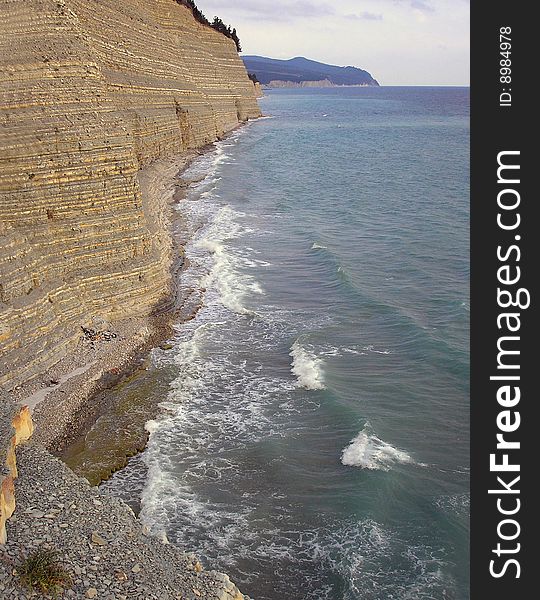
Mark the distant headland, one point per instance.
(302, 72)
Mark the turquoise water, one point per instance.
(314, 442)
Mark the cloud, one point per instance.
(365, 16)
(402, 42)
(422, 6)
(278, 10)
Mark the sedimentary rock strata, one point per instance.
(91, 92)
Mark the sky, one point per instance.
(400, 42)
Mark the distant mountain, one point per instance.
(302, 72)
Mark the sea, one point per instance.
(313, 434)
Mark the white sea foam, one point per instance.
(367, 451)
(317, 246)
(372, 349)
(210, 409)
(307, 367)
(355, 349)
(455, 503)
(217, 266)
(363, 553)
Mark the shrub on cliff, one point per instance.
(41, 571)
(194, 9)
(216, 24)
(236, 40)
(226, 30)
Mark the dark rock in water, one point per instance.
(166, 346)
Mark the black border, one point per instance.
(496, 128)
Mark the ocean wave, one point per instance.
(216, 404)
(203, 172)
(219, 268)
(307, 367)
(368, 451)
(362, 553)
(172, 509)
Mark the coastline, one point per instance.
(66, 399)
(62, 399)
(241, 442)
(105, 549)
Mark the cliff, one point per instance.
(91, 92)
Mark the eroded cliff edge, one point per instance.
(93, 91)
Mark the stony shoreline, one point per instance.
(56, 509)
(101, 544)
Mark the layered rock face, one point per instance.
(92, 91)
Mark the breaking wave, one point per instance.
(307, 367)
(367, 451)
(225, 274)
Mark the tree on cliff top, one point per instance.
(196, 12)
(226, 30)
(216, 24)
